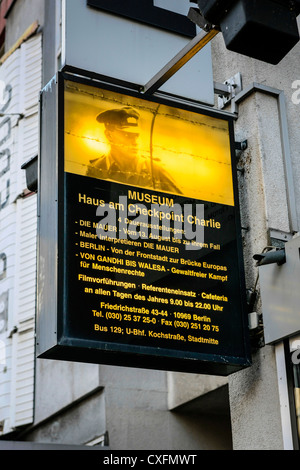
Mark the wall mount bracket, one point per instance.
(234, 86)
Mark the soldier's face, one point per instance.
(125, 142)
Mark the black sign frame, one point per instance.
(64, 346)
(145, 12)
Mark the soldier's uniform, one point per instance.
(146, 173)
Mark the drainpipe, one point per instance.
(279, 95)
(285, 394)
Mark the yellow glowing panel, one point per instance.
(172, 150)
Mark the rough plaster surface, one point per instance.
(137, 415)
(254, 405)
(254, 396)
(59, 383)
(186, 387)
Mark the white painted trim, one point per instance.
(285, 410)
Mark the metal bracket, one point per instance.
(278, 238)
(195, 16)
(234, 87)
(239, 148)
(253, 320)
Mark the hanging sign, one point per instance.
(149, 254)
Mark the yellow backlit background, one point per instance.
(193, 148)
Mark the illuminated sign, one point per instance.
(148, 12)
(150, 267)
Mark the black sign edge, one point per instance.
(63, 343)
(69, 350)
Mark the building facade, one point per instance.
(63, 403)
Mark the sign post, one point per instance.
(149, 261)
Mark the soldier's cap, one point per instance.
(125, 119)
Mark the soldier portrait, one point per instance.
(145, 143)
(123, 163)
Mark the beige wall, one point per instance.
(254, 393)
